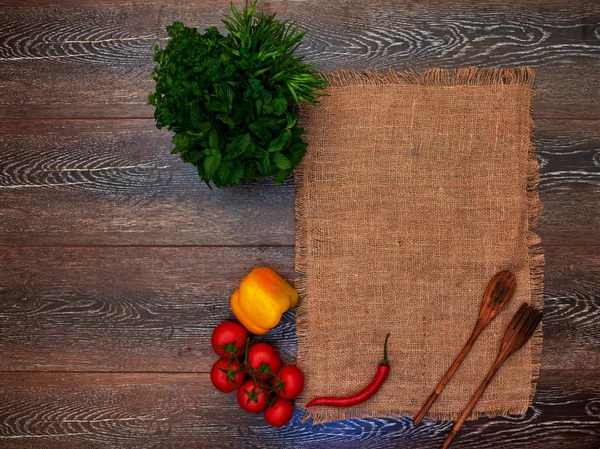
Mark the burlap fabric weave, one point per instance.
(416, 190)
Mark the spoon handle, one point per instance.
(446, 378)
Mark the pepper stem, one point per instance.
(385, 362)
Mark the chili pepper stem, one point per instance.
(385, 362)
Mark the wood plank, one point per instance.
(102, 410)
(577, 5)
(99, 182)
(571, 309)
(568, 152)
(105, 182)
(97, 57)
(153, 309)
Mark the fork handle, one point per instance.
(446, 378)
(469, 408)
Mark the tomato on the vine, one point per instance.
(252, 397)
(288, 383)
(280, 413)
(229, 338)
(263, 360)
(227, 375)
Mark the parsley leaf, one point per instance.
(233, 100)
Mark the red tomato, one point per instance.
(228, 339)
(263, 360)
(280, 413)
(252, 397)
(227, 375)
(289, 382)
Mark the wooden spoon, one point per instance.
(516, 335)
(498, 292)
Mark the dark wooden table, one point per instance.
(116, 261)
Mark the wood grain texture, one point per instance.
(101, 182)
(88, 59)
(153, 309)
(168, 411)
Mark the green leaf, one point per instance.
(271, 123)
(280, 176)
(251, 170)
(197, 123)
(210, 151)
(293, 92)
(281, 161)
(280, 142)
(214, 139)
(223, 173)
(237, 174)
(297, 132)
(181, 143)
(194, 156)
(225, 94)
(211, 164)
(279, 106)
(263, 168)
(238, 146)
(297, 155)
(203, 127)
(261, 132)
(224, 117)
(195, 115)
(217, 106)
(291, 120)
(186, 156)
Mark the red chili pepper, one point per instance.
(382, 373)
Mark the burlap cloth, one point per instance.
(416, 190)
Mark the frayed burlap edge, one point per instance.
(536, 252)
(472, 76)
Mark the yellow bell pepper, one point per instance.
(262, 298)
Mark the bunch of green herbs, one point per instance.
(233, 100)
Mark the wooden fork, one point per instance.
(516, 335)
(498, 292)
